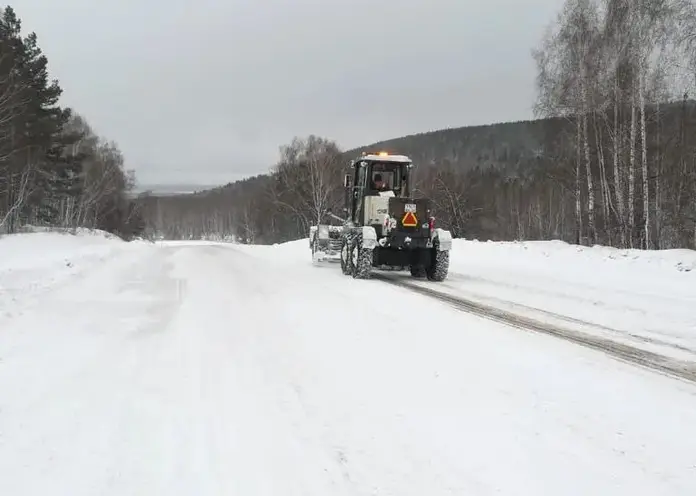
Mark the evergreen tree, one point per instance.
(53, 170)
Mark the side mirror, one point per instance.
(346, 181)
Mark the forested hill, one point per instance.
(505, 146)
(250, 209)
(502, 181)
(501, 145)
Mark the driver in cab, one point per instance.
(379, 184)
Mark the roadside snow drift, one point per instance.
(645, 298)
(38, 261)
(213, 369)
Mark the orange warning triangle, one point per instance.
(409, 220)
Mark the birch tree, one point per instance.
(565, 88)
(308, 179)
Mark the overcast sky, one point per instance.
(206, 91)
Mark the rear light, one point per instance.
(431, 224)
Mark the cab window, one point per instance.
(389, 173)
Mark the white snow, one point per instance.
(215, 369)
(644, 298)
(35, 262)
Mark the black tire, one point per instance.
(361, 260)
(418, 271)
(346, 260)
(440, 267)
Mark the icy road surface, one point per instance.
(203, 369)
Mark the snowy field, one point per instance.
(214, 369)
(645, 299)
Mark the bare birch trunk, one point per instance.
(590, 185)
(604, 185)
(631, 173)
(644, 144)
(618, 178)
(578, 205)
(658, 182)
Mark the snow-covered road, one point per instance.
(205, 369)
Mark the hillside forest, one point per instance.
(610, 157)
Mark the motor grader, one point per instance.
(386, 227)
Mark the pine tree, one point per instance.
(39, 177)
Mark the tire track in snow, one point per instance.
(654, 361)
(650, 334)
(496, 302)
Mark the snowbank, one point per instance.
(536, 263)
(48, 249)
(569, 258)
(41, 259)
(648, 296)
(555, 258)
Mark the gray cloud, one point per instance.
(207, 91)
